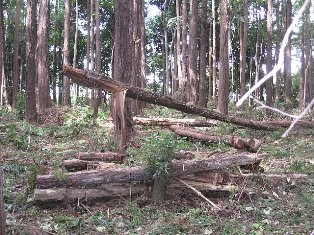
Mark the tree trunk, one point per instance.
(223, 92)
(43, 98)
(122, 71)
(30, 106)
(269, 58)
(16, 66)
(2, 208)
(243, 45)
(66, 53)
(136, 174)
(302, 71)
(3, 61)
(287, 63)
(178, 79)
(54, 53)
(251, 145)
(76, 86)
(278, 74)
(214, 69)
(105, 157)
(182, 86)
(210, 64)
(309, 61)
(203, 62)
(102, 82)
(191, 92)
(98, 60)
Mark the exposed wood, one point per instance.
(90, 179)
(102, 82)
(111, 190)
(174, 121)
(104, 157)
(237, 142)
(78, 165)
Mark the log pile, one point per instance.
(120, 180)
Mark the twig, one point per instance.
(199, 193)
(281, 55)
(86, 208)
(305, 111)
(273, 109)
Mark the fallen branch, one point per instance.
(199, 194)
(102, 82)
(173, 121)
(99, 178)
(250, 144)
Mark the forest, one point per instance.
(156, 117)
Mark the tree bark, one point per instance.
(182, 86)
(178, 79)
(16, 66)
(102, 82)
(105, 157)
(2, 209)
(3, 60)
(214, 69)
(203, 62)
(269, 58)
(191, 92)
(108, 191)
(251, 145)
(43, 98)
(30, 106)
(223, 92)
(66, 53)
(309, 61)
(302, 71)
(101, 178)
(243, 45)
(287, 62)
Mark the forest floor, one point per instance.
(27, 150)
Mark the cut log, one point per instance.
(111, 190)
(234, 141)
(174, 121)
(99, 179)
(101, 157)
(78, 165)
(102, 82)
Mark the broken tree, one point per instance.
(102, 82)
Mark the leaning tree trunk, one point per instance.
(98, 81)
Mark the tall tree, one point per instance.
(76, 86)
(192, 52)
(16, 66)
(243, 45)
(122, 70)
(287, 62)
(2, 209)
(308, 60)
(3, 60)
(43, 98)
(182, 85)
(302, 70)
(54, 52)
(223, 65)
(203, 61)
(178, 73)
(214, 68)
(66, 45)
(98, 58)
(269, 58)
(30, 105)
(166, 51)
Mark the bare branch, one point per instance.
(305, 111)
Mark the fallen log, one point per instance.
(110, 191)
(174, 121)
(103, 157)
(234, 141)
(283, 177)
(78, 165)
(100, 178)
(102, 82)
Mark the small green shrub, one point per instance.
(20, 104)
(80, 118)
